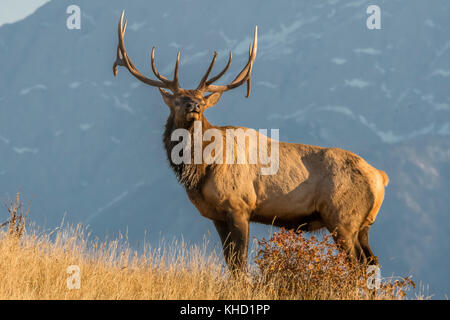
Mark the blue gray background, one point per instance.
(87, 145)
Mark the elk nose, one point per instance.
(193, 107)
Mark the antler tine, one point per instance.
(175, 72)
(244, 75)
(123, 60)
(220, 74)
(249, 80)
(155, 71)
(119, 60)
(208, 71)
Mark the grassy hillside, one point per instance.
(40, 265)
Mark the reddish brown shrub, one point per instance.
(298, 267)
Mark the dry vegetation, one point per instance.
(289, 266)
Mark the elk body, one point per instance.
(313, 188)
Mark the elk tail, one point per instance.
(385, 177)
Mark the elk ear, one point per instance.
(167, 97)
(212, 99)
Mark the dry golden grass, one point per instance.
(34, 264)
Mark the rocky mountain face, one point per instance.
(86, 145)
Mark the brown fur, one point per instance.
(314, 187)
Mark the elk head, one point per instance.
(186, 106)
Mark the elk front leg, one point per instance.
(234, 234)
(224, 234)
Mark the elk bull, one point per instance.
(314, 187)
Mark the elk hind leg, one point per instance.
(360, 254)
(346, 241)
(363, 237)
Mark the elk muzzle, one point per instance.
(192, 111)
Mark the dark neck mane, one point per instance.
(191, 175)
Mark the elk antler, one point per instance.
(205, 85)
(244, 76)
(124, 60)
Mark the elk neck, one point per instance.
(191, 175)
